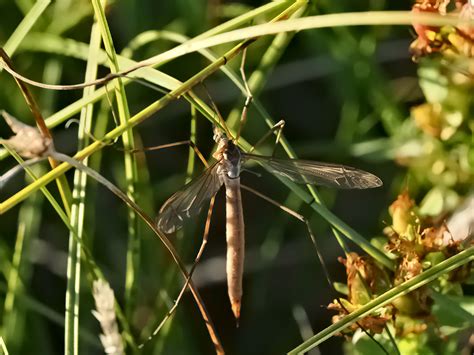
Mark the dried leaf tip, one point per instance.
(105, 313)
(27, 141)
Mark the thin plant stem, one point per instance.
(131, 170)
(71, 329)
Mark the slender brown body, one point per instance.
(235, 243)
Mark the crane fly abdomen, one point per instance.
(235, 243)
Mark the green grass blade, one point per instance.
(29, 303)
(92, 268)
(71, 329)
(28, 226)
(131, 170)
(25, 26)
(192, 153)
(3, 346)
(299, 24)
(422, 279)
(57, 45)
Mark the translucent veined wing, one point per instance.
(189, 200)
(318, 173)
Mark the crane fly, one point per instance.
(188, 201)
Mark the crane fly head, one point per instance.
(220, 137)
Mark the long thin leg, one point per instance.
(191, 272)
(302, 219)
(277, 127)
(149, 221)
(188, 142)
(206, 232)
(248, 99)
(313, 240)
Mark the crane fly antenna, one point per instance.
(222, 123)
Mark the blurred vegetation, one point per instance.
(393, 100)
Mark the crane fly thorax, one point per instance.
(230, 159)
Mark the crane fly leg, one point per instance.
(205, 238)
(313, 240)
(301, 218)
(278, 128)
(188, 142)
(248, 99)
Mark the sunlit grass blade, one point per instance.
(306, 23)
(3, 346)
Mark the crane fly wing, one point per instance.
(188, 201)
(318, 173)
